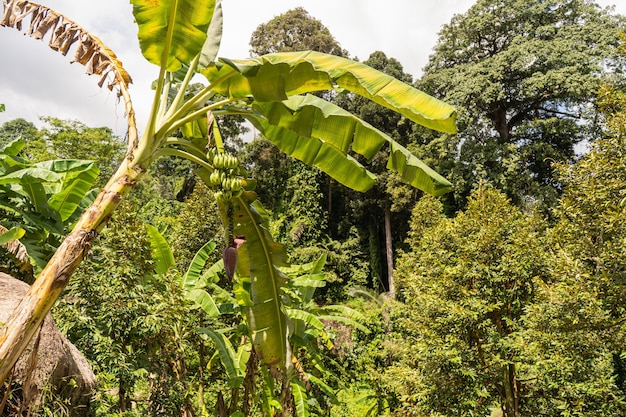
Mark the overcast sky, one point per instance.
(36, 81)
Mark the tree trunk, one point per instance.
(389, 251)
(30, 312)
(121, 396)
(511, 397)
(375, 260)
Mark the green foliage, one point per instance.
(486, 292)
(18, 129)
(64, 139)
(129, 322)
(391, 196)
(524, 76)
(294, 30)
(576, 328)
(271, 91)
(198, 223)
(591, 215)
(468, 282)
(310, 340)
(172, 33)
(41, 200)
(302, 222)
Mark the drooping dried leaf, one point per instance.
(64, 33)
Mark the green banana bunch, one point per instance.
(226, 178)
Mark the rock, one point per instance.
(57, 365)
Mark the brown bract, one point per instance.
(229, 256)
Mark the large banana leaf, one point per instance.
(228, 356)
(300, 398)
(274, 77)
(320, 133)
(172, 32)
(30, 184)
(259, 259)
(214, 37)
(77, 178)
(316, 152)
(14, 147)
(54, 188)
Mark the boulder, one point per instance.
(50, 364)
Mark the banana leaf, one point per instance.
(203, 300)
(77, 179)
(300, 398)
(276, 76)
(260, 258)
(161, 251)
(321, 134)
(198, 262)
(228, 356)
(172, 32)
(12, 234)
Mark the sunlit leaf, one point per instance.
(161, 251)
(204, 300)
(214, 37)
(259, 262)
(300, 399)
(227, 355)
(197, 264)
(78, 178)
(12, 234)
(172, 31)
(316, 152)
(321, 134)
(275, 77)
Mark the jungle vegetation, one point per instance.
(309, 272)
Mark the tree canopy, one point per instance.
(294, 30)
(524, 76)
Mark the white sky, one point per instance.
(36, 81)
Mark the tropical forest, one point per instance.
(300, 232)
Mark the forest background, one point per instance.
(505, 295)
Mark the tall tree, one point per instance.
(18, 129)
(466, 283)
(69, 139)
(294, 30)
(524, 76)
(577, 328)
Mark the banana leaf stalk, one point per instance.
(100, 60)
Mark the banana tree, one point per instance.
(307, 331)
(40, 201)
(182, 38)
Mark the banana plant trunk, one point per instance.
(27, 317)
(29, 314)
